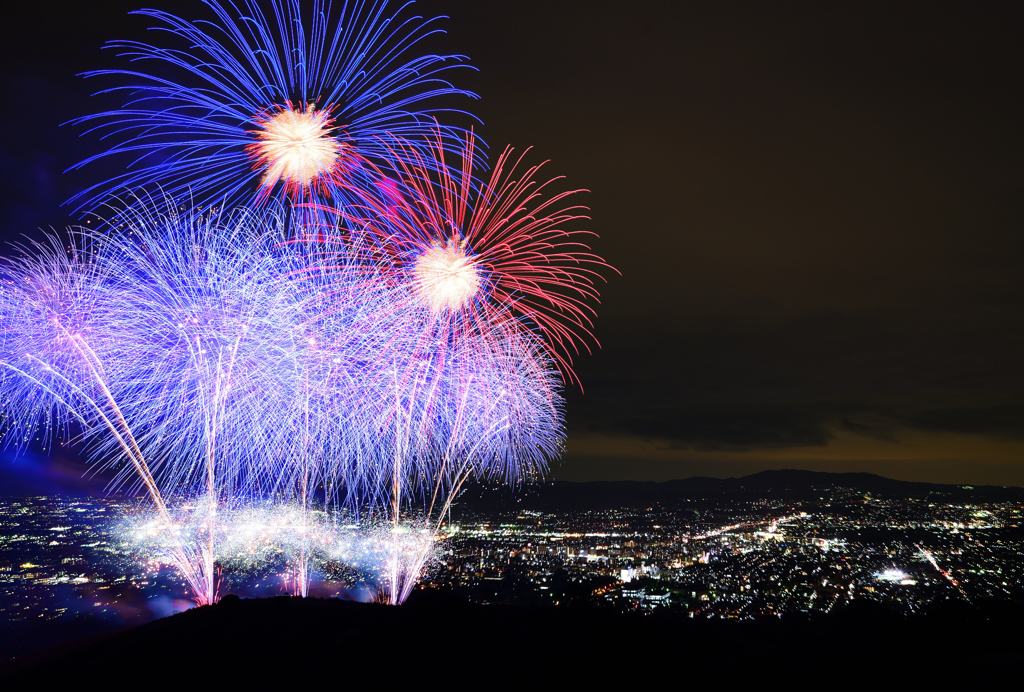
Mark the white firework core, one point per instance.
(446, 277)
(296, 147)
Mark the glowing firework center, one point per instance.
(446, 277)
(296, 148)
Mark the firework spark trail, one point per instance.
(206, 325)
(51, 377)
(336, 362)
(199, 333)
(448, 428)
(254, 108)
(425, 407)
(218, 328)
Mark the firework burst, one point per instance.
(425, 407)
(295, 147)
(208, 327)
(218, 338)
(476, 257)
(60, 373)
(493, 289)
(419, 396)
(291, 105)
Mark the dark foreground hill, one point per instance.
(439, 641)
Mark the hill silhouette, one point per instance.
(436, 637)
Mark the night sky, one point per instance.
(817, 210)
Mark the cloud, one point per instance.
(868, 428)
(755, 426)
(1006, 420)
(729, 427)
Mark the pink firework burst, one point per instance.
(476, 253)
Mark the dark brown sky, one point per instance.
(817, 210)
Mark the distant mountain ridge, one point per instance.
(788, 484)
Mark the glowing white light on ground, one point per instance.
(893, 575)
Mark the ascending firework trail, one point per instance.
(61, 374)
(181, 345)
(492, 290)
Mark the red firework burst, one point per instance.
(475, 253)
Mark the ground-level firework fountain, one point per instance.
(258, 540)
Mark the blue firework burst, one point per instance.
(250, 106)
